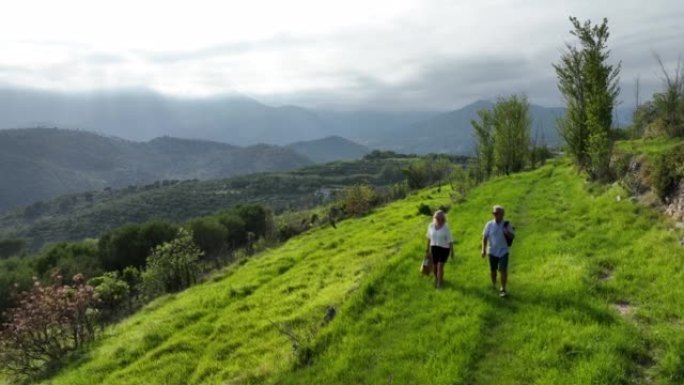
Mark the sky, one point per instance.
(351, 54)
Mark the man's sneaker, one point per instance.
(502, 293)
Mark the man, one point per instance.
(495, 238)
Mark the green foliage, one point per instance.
(358, 200)
(173, 265)
(424, 209)
(236, 228)
(590, 88)
(15, 277)
(11, 247)
(427, 171)
(111, 292)
(664, 115)
(68, 259)
(667, 172)
(511, 137)
(502, 137)
(209, 235)
(484, 144)
(130, 245)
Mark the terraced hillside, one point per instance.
(595, 298)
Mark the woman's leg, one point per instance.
(440, 273)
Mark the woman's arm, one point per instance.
(427, 252)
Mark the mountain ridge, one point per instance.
(42, 163)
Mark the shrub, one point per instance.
(668, 172)
(358, 200)
(424, 209)
(111, 293)
(173, 266)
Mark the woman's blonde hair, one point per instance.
(437, 214)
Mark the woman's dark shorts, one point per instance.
(500, 262)
(439, 254)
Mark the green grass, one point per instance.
(649, 147)
(577, 256)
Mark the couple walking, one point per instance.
(497, 236)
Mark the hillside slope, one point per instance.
(595, 299)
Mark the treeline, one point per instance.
(88, 215)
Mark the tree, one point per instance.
(49, 322)
(590, 88)
(358, 199)
(511, 134)
(669, 104)
(502, 137)
(173, 266)
(484, 144)
(111, 293)
(130, 244)
(209, 235)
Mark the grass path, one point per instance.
(595, 298)
(576, 255)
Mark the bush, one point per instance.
(49, 322)
(111, 293)
(424, 209)
(358, 200)
(668, 172)
(173, 266)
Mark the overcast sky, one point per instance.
(365, 54)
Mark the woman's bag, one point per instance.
(426, 266)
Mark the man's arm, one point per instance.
(483, 252)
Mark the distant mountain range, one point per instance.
(329, 149)
(38, 164)
(176, 139)
(238, 120)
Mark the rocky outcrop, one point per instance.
(675, 204)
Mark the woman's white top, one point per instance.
(439, 237)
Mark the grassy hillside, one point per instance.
(595, 298)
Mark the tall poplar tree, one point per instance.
(590, 88)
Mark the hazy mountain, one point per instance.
(143, 115)
(329, 149)
(38, 164)
(452, 132)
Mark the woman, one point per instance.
(439, 245)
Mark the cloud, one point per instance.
(409, 54)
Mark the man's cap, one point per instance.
(497, 208)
